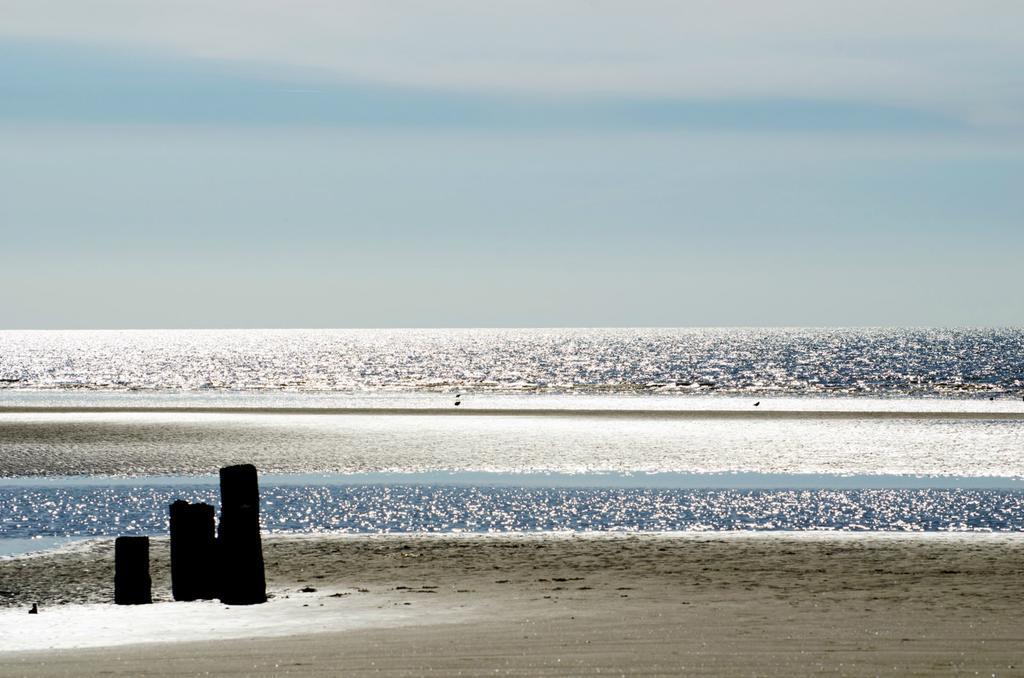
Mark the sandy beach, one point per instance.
(737, 604)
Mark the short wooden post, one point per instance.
(193, 551)
(132, 585)
(242, 580)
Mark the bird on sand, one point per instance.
(35, 609)
(757, 403)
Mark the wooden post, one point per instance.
(242, 580)
(193, 551)
(132, 585)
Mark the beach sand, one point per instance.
(736, 604)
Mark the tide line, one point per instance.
(752, 414)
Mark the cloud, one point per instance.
(47, 82)
(958, 58)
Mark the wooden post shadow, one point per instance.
(132, 585)
(242, 580)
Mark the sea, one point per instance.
(515, 430)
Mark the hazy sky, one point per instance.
(254, 163)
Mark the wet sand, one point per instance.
(743, 604)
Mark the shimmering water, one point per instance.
(883, 362)
(928, 424)
(112, 511)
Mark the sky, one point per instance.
(457, 163)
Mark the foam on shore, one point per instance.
(106, 625)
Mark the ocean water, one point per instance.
(98, 511)
(883, 362)
(641, 429)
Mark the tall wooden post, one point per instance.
(193, 552)
(242, 580)
(132, 585)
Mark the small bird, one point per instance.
(757, 403)
(35, 609)
(458, 397)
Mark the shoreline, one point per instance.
(590, 413)
(856, 603)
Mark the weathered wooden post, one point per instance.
(193, 551)
(242, 580)
(132, 585)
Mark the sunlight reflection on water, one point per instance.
(125, 510)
